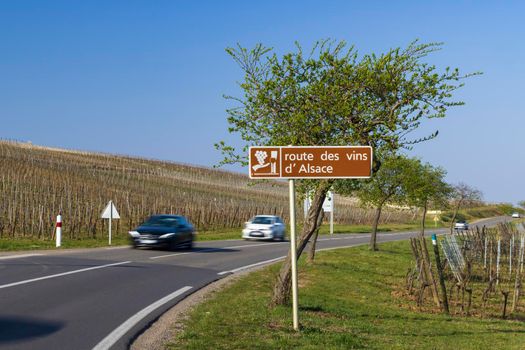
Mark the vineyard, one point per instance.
(481, 273)
(37, 183)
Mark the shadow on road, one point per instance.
(16, 329)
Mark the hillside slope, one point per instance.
(36, 183)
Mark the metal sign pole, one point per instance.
(293, 250)
(332, 219)
(110, 220)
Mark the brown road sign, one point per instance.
(313, 162)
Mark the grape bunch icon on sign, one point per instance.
(266, 165)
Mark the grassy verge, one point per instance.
(30, 244)
(349, 299)
(212, 235)
(482, 212)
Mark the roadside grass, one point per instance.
(482, 212)
(350, 298)
(325, 229)
(36, 244)
(219, 234)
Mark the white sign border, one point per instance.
(306, 177)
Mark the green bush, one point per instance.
(481, 212)
(447, 216)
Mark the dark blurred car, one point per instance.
(163, 231)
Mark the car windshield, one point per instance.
(162, 221)
(263, 220)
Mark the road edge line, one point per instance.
(121, 330)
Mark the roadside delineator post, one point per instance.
(110, 212)
(59, 231)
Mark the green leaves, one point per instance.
(427, 185)
(333, 96)
(391, 183)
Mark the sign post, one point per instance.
(110, 212)
(308, 162)
(293, 249)
(328, 206)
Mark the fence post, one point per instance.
(440, 274)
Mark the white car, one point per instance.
(267, 227)
(461, 225)
(515, 215)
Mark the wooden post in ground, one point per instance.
(440, 274)
(429, 273)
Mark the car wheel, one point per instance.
(189, 245)
(173, 245)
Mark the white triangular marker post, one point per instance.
(110, 212)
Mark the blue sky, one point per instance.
(146, 78)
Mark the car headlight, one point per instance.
(167, 235)
(134, 234)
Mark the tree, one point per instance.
(332, 97)
(426, 186)
(386, 186)
(462, 194)
(521, 204)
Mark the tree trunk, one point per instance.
(426, 257)
(373, 236)
(422, 233)
(311, 252)
(452, 221)
(283, 285)
(430, 274)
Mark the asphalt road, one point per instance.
(102, 298)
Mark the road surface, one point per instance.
(102, 298)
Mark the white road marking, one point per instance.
(62, 274)
(251, 265)
(18, 256)
(244, 246)
(114, 336)
(166, 256)
(344, 246)
(205, 250)
(262, 244)
(254, 245)
(282, 257)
